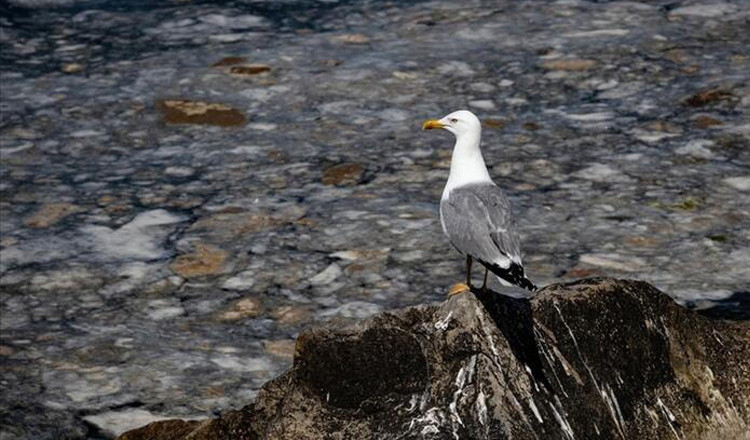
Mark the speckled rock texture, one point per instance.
(598, 358)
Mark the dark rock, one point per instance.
(599, 358)
(350, 371)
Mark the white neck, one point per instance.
(467, 163)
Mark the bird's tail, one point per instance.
(514, 274)
(526, 283)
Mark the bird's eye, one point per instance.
(454, 120)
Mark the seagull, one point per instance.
(475, 213)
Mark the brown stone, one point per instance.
(679, 56)
(570, 65)
(213, 392)
(250, 223)
(343, 174)
(291, 314)
(244, 308)
(532, 126)
(51, 213)
(206, 260)
(689, 70)
(152, 200)
(494, 124)
(71, 68)
(118, 208)
(106, 200)
(306, 222)
(186, 111)
(641, 241)
(355, 268)
(704, 121)
(231, 210)
(184, 203)
(246, 70)
(707, 97)
(663, 126)
(283, 348)
(525, 187)
(231, 224)
(687, 204)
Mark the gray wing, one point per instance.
(478, 221)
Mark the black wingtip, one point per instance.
(514, 274)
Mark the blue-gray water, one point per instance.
(157, 269)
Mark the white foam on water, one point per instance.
(140, 239)
(242, 365)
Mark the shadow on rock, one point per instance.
(514, 318)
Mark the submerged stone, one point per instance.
(708, 97)
(343, 174)
(51, 213)
(244, 308)
(704, 121)
(571, 65)
(247, 70)
(185, 111)
(351, 39)
(71, 68)
(206, 260)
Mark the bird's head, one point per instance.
(460, 123)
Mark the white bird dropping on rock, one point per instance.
(475, 213)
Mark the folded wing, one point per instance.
(479, 222)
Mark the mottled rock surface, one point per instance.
(598, 358)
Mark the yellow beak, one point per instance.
(432, 124)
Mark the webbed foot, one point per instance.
(459, 288)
